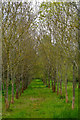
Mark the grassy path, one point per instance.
(38, 101)
(0, 105)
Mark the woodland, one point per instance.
(40, 59)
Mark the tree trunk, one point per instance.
(79, 74)
(79, 44)
(73, 100)
(12, 77)
(66, 85)
(20, 93)
(49, 83)
(79, 58)
(49, 70)
(17, 92)
(45, 81)
(61, 83)
(54, 86)
(3, 86)
(57, 82)
(57, 88)
(22, 85)
(61, 87)
(6, 99)
(66, 90)
(12, 100)
(3, 77)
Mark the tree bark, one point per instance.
(66, 88)
(12, 100)
(17, 92)
(49, 81)
(61, 83)
(3, 77)
(20, 93)
(73, 100)
(66, 84)
(79, 44)
(6, 99)
(54, 87)
(57, 82)
(22, 85)
(12, 77)
(79, 58)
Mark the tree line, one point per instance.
(42, 43)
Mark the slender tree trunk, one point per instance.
(66, 88)
(49, 82)
(6, 99)
(61, 87)
(17, 91)
(49, 71)
(22, 79)
(12, 77)
(61, 83)
(3, 77)
(66, 84)
(20, 92)
(45, 81)
(57, 82)
(54, 87)
(73, 100)
(19, 87)
(79, 74)
(12, 100)
(57, 87)
(26, 86)
(22, 84)
(52, 84)
(79, 44)
(3, 86)
(79, 58)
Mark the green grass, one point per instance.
(38, 101)
(0, 104)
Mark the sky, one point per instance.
(42, 0)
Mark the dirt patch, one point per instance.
(35, 99)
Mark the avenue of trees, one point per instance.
(39, 44)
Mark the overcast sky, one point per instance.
(43, 0)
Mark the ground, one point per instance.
(0, 104)
(38, 101)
